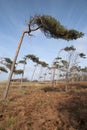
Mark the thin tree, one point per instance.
(43, 65)
(34, 59)
(7, 62)
(24, 62)
(53, 73)
(71, 63)
(35, 66)
(83, 70)
(51, 28)
(54, 67)
(84, 74)
(18, 71)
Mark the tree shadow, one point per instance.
(74, 111)
(51, 89)
(79, 85)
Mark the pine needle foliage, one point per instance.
(32, 57)
(71, 48)
(52, 28)
(43, 64)
(3, 69)
(22, 62)
(20, 71)
(8, 60)
(82, 55)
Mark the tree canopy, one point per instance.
(20, 71)
(43, 64)
(32, 57)
(52, 28)
(82, 55)
(22, 61)
(8, 60)
(3, 69)
(71, 48)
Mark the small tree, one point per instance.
(70, 65)
(43, 65)
(34, 59)
(51, 28)
(24, 62)
(7, 62)
(35, 66)
(55, 66)
(84, 74)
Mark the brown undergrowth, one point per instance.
(40, 107)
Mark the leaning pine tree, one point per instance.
(51, 28)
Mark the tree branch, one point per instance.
(35, 29)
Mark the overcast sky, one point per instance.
(15, 14)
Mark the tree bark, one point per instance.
(13, 65)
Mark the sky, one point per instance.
(15, 15)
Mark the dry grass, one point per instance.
(38, 106)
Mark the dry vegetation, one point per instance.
(38, 106)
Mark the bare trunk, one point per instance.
(40, 74)
(45, 74)
(33, 72)
(22, 75)
(67, 82)
(58, 75)
(53, 77)
(13, 65)
(44, 77)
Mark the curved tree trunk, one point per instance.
(13, 65)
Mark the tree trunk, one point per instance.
(33, 72)
(22, 75)
(53, 76)
(58, 75)
(45, 74)
(40, 74)
(13, 65)
(67, 82)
